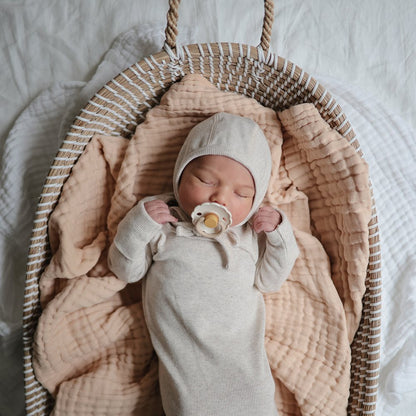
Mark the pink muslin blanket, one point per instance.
(92, 350)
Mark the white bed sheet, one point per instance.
(54, 55)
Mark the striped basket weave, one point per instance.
(122, 104)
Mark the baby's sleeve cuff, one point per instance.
(135, 229)
(282, 231)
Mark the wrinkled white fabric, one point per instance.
(53, 48)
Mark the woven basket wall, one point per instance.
(122, 104)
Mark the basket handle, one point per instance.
(171, 30)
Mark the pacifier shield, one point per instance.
(211, 219)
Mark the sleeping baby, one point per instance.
(206, 254)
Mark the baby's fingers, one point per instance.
(163, 218)
(266, 219)
(159, 211)
(261, 224)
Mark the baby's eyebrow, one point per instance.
(202, 169)
(197, 164)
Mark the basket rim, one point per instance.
(74, 144)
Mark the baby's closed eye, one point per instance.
(244, 193)
(206, 180)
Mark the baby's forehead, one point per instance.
(212, 161)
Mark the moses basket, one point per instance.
(121, 105)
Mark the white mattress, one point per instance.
(55, 55)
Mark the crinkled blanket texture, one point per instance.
(92, 350)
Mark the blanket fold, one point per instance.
(91, 348)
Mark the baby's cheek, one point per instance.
(193, 197)
(240, 211)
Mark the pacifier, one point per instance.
(211, 219)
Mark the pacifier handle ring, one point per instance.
(218, 229)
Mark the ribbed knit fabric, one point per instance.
(206, 322)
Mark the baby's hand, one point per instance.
(159, 211)
(266, 219)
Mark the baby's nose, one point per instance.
(219, 198)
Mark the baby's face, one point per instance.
(217, 179)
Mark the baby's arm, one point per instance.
(278, 254)
(130, 254)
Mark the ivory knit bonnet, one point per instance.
(236, 137)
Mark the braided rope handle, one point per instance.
(171, 30)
